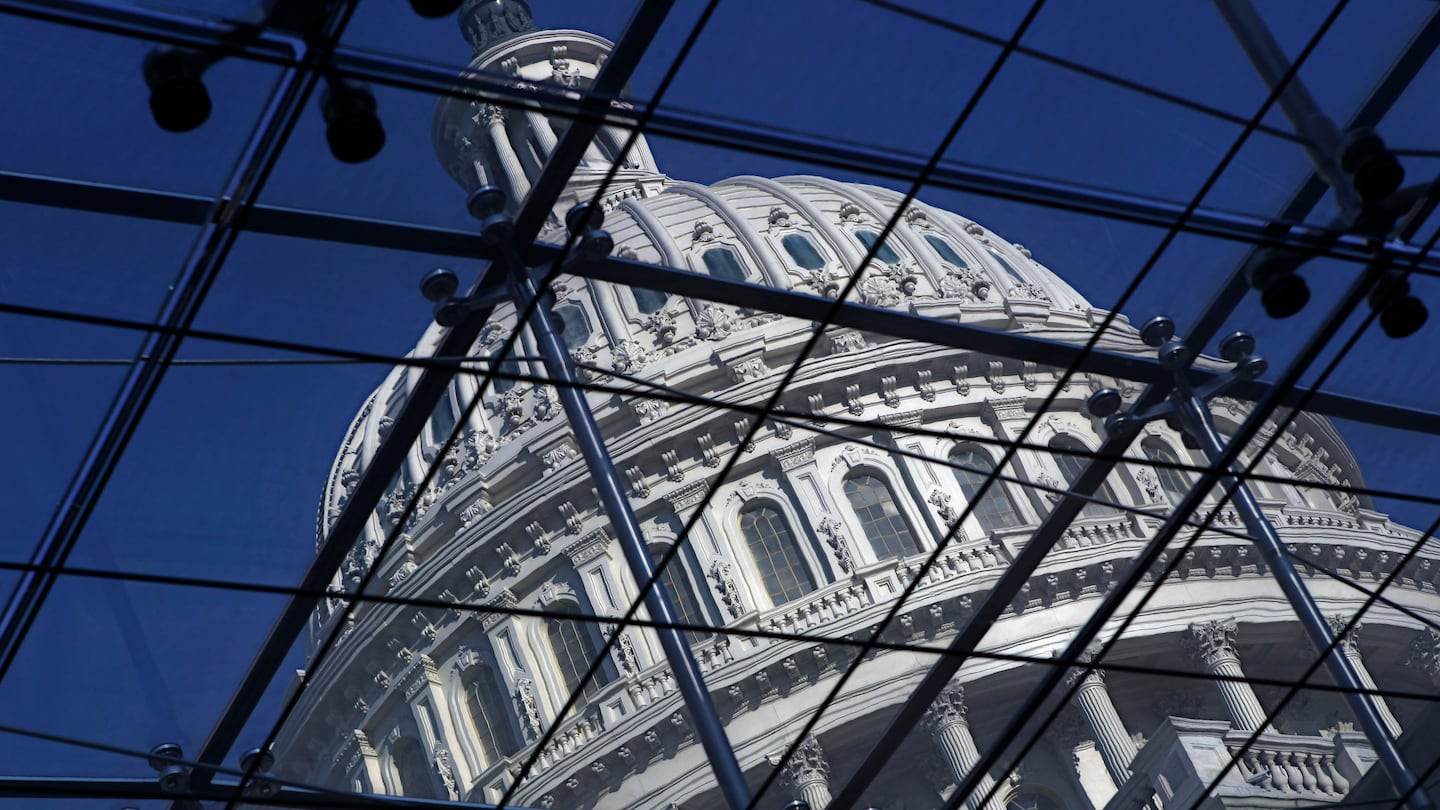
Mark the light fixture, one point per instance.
(1373, 168)
(1282, 292)
(434, 8)
(352, 128)
(179, 101)
(1401, 314)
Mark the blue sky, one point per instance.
(223, 477)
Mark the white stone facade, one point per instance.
(443, 703)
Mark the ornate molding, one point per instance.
(948, 709)
(1213, 642)
(808, 766)
(588, 547)
(796, 454)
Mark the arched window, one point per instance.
(1070, 468)
(649, 301)
(576, 644)
(493, 715)
(682, 593)
(884, 253)
(1007, 266)
(413, 768)
(945, 252)
(802, 251)
(995, 510)
(1174, 483)
(721, 262)
(885, 527)
(777, 557)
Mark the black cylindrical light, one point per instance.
(352, 128)
(434, 8)
(179, 101)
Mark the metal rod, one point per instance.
(1319, 137)
(1196, 419)
(708, 726)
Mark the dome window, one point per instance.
(510, 368)
(777, 556)
(884, 252)
(1071, 461)
(946, 253)
(1175, 483)
(649, 301)
(574, 645)
(1007, 267)
(573, 325)
(885, 527)
(677, 581)
(802, 251)
(442, 422)
(995, 510)
(721, 262)
(489, 709)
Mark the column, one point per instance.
(1213, 643)
(509, 161)
(808, 774)
(544, 133)
(947, 722)
(1350, 645)
(1117, 747)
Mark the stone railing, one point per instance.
(1184, 756)
(819, 609)
(956, 561)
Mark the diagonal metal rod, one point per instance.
(709, 727)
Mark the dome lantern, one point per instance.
(487, 23)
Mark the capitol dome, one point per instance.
(826, 517)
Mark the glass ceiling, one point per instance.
(165, 481)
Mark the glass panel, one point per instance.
(885, 253)
(802, 251)
(884, 525)
(782, 567)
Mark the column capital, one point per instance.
(948, 709)
(1349, 642)
(1213, 642)
(1425, 654)
(1076, 672)
(808, 766)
